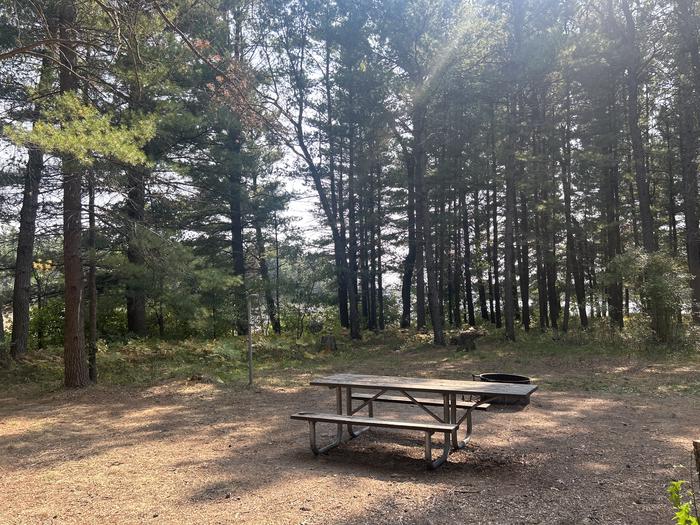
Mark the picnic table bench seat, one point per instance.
(427, 401)
(427, 428)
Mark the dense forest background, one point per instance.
(526, 164)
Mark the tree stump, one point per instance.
(327, 343)
(696, 449)
(466, 340)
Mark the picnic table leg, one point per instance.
(348, 403)
(456, 442)
(339, 410)
(339, 433)
(429, 450)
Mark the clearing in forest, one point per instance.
(598, 444)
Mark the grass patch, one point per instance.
(570, 363)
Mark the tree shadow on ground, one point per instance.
(565, 457)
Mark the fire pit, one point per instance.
(496, 377)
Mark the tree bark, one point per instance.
(335, 193)
(479, 270)
(611, 198)
(355, 332)
(511, 213)
(380, 268)
(21, 294)
(524, 264)
(425, 241)
(634, 64)
(135, 210)
(573, 264)
(235, 213)
(688, 63)
(410, 259)
(135, 214)
(494, 216)
(471, 319)
(541, 275)
(75, 362)
(270, 304)
(92, 282)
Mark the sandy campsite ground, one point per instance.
(197, 452)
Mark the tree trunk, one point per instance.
(573, 264)
(373, 323)
(237, 251)
(634, 64)
(92, 282)
(352, 249)
(75, 362)
(494, 261)
(135, 214)
(524, 265)
(479, 270)
(611, 198)
(689, 70)
(441, 247)
(4, 356)
(378, 227)
(335, 194)
(270, 304)
(21, 295)
(471, 319)
(510, 208)
(135, 210)
(365, 209)
(424, 233)
(510, 212)
(494, 215)
(541, 276)
(455, 264)
(671, 197)
(492, 314)
(410, 259)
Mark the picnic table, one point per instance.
(446, 393)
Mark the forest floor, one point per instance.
(601, 440)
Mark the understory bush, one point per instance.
(683, 500)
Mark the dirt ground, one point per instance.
(195, 452)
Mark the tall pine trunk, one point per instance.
(634, 64)
(74, 358)
(92, 281)
(135, 214)
(424, 233)
(21, 295)
(471, 319)
(410, 259)
(235, 181)
(352, 247)
(613, 246)
(688, 63)
(479, 263)
(135, 211)
(524, 263)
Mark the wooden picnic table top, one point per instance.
(421, 384)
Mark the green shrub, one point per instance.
(46, 323)
(662, 287)
(683, 502)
